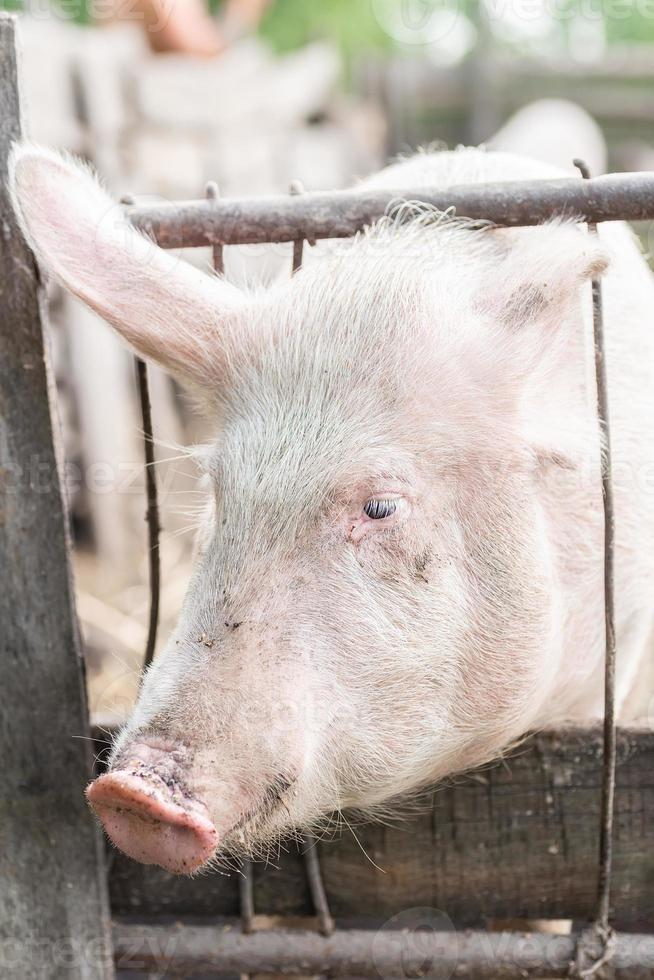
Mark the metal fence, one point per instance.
(304, 218)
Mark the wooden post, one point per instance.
(54, 919)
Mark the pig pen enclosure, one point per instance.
(562, 829)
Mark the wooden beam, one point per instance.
(53, 907)
(517, 839)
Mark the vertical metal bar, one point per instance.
(316, 886)
(298, 250)
(610, 734)
(152, 497)
(610, 738)
(152, 511)
(294, 188)
(246, 897)
(212, 193)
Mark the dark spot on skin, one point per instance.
(272, 797)
(421, 563)
(277, 788)
(233, 626)
(526, 304)
(552, 458)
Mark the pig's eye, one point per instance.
(377, 509)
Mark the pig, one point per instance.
(400, 568)
(553, 131)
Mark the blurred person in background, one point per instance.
(189, 27)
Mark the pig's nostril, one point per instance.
(151, 824)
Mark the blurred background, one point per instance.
(163, 95)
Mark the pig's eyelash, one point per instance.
(376, 512)
(379, 508)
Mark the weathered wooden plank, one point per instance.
(53, 906)
(518, 839)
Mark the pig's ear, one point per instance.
(165, 309)
(541, 277)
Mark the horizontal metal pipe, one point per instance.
(340, 214)
(185, 950)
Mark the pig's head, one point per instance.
(375, 599)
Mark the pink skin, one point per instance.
(150, 816)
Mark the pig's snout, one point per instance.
(150, 817)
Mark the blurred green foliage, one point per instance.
(353, 26)
(623, 20)
(350, 23)
(632, 21)
(79, 11)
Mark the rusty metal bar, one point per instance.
(601, 925)
(295, 188)
(212, 193)
(298, 251)
(152, 511)
(316, 887)
(152, 498)
(608, 782)
(341, 214)
(246, 897)
(184, 950)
